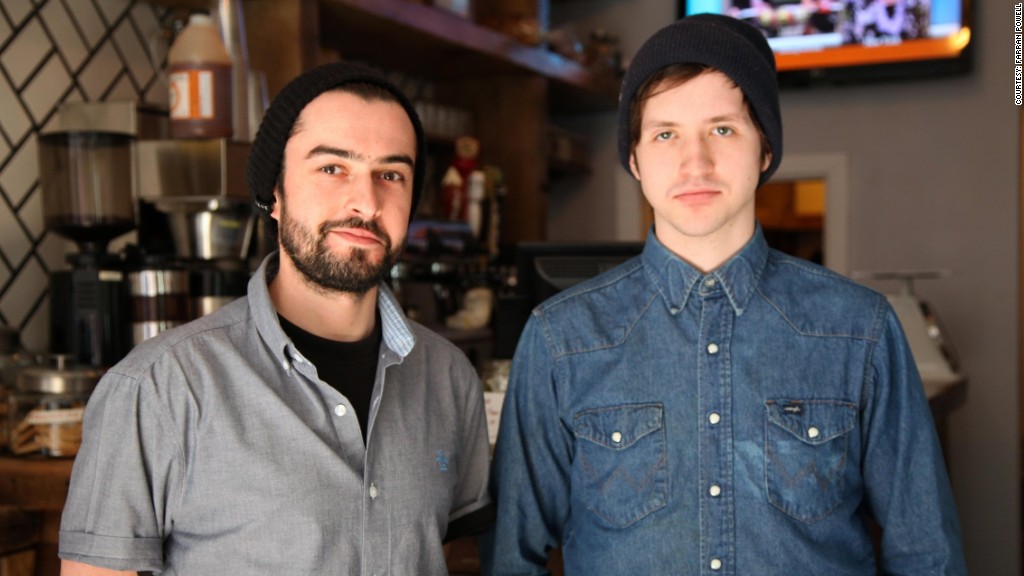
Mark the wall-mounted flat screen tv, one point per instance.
(855, 40)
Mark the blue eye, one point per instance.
(663, 135)
(723, 130)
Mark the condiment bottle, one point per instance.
(199, 68)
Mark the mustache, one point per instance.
(370, 226)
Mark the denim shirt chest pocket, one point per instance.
(621, 461)
(806, 453)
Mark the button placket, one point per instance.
(716, 441)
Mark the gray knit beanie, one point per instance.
(267, 152)
(731, 46)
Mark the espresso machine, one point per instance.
(197, 228)
(85, 159)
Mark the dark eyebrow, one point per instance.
(731, 117)
(323, 150)
(399, 159)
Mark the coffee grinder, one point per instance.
(85, 173)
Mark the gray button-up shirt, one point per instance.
(215, 449)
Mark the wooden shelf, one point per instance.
(510, 88)
(431, 42)
(421, 39)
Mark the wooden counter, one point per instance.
(38, 485)
(41, 485)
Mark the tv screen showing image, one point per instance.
(851, 40)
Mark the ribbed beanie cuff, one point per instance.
(731, 46)
(267, 152)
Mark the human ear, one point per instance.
(275, 210)
(633, 168)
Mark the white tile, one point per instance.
(53, 251)
(147, 20)
(134, 53)
(5, 274)
(46, 89)
(112, 10)
(26, 52)
(156, 94)
(5, 29)
(5, 150)
(123, 89)
(23, 293)
(14, 243)
(35, 332)
(17, 10)
(21, 173)
(100, 72)
(14, 121)
(89, 22)
(62, 29)
(31, 213)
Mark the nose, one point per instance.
(696, 157)
(364, 199)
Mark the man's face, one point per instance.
(698, 159)
(343, 207)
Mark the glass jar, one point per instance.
(12, 359)
(47, 407)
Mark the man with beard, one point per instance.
(308, 428)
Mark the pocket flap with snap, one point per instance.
(813, 421)
(618, 427)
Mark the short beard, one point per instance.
(327, 272)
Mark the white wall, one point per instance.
(933, 170)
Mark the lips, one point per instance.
(356, 235)
(356, 231)
(695, 194)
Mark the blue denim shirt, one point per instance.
(747, 421)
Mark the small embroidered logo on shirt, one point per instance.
(442, 461)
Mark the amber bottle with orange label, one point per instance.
(199, 71)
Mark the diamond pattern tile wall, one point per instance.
(51, 52)
(26, 52)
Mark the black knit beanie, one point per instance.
(731, 46)
(267, 152)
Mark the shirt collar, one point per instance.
(675, 279)
(398, 336)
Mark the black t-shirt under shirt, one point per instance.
(348, 367)
(351, 368)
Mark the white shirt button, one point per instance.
(674, 310)
(616, 437)
(710, 282)
(714, 418)
(716, 564)
(813, 432)
(340, 410)
(712, 348)
(373, 491)
(715, 490)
